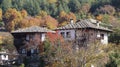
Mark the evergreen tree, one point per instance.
(60, 8)
(6, 4)
(32, 7)
(74, 5)
(53, 10)
(65, 6)
(18, 4)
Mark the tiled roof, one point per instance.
(83, 24)
(32, 29)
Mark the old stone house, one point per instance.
(84, 32)
(28, 40)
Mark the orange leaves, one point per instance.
(43, 13)
(0, 14)
(50, 22)
(99, 17)
(19, 19)
(54, 37)
(12, 17)
(52, 1)
(72, 16)
(24, 13)
(64, 18)
(29, 21)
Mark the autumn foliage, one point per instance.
(64, 18)
(54, 37)
(11, 18)
(99, 17)
(15, 19)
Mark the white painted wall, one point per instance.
(105, 40)
(4, 57)
(72, 34)
(98, 34)
(43, 37)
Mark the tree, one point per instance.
(30, 21)
(32, 7)
(54, 37)
(6, 4)
(52, 1)
(53, 10)
(24, 13)
(12, 17)
(7, 41)
(50, 22)
(74, 5)
(99, 17)
(85, 8)
(64, 55)
(42, 13)
(64, 18)
(114, 60)
(107, 9)
(0, 14)
(18, 4)
(64, 4)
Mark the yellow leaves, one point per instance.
(10, 26)
(64, 23)
(63, 14)
(64, 17)
(30, 21)
(12, 14)
(24, 13)
(1, 38)
(12, 18)
(50, 22)
(42, 13)
(0, 14)
(99, 17)
(52, 1)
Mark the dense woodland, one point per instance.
(15, 14)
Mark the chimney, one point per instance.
(98, 23)
(44, 26)
(71, 21)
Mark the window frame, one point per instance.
(68, 34)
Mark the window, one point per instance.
(68, 35)
(102, 36)
(23, 51)
(63, 34)
(91, 34)
(32, 51)
(27, 37)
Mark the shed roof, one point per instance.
(32, 29)
(83, 24)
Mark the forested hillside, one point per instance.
(16, 14)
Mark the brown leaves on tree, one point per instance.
(107, 9)
(24, 13)
(64, 18)
(99, 17)
(47, 21)
(11, 18)
(0, 14)
(54, 37)
(29, 21)
(50, 22)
